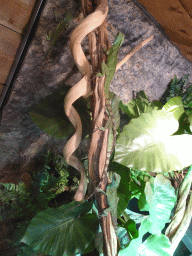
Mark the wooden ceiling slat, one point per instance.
(9, 43)
(15, 14)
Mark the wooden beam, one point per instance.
(15, 14)
(9, 42)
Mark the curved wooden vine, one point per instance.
(82, 88)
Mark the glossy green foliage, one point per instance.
(139, 105)
(27, 251)
(184, 125)
(22, 202)
(47, 182)
(179, 87)
(62, 231)
(53, 178)
(112, 198)
(161, 200)
(50, 117)
(174, 107)
(146, 142)
(155, 244)
(11, 197)
(131, 229)
(132, 184)
(136, 217)
(22, 249)
(125, 233)
(151, 142)
(18, 188)
(123, 191)
(139, 179)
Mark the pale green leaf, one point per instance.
(146, 144)
(162, 203)
(174, 106)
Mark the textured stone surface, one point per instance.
(151, 69)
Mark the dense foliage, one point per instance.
(155, 140)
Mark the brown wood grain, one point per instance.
(9, 43)
(1, 88)
(175, 18)
(15, 14)
(5, 65)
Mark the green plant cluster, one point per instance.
(10, 192)
(156, 140)
(178, 87)
(46, 184)
(139, 105)
(22, 202)
(53, 180)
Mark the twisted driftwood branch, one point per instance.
(98, 144)
(82, 88)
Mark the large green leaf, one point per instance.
(146, 144)
(50, 117)
(161, 203)
(61, 231)
(123, 191)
